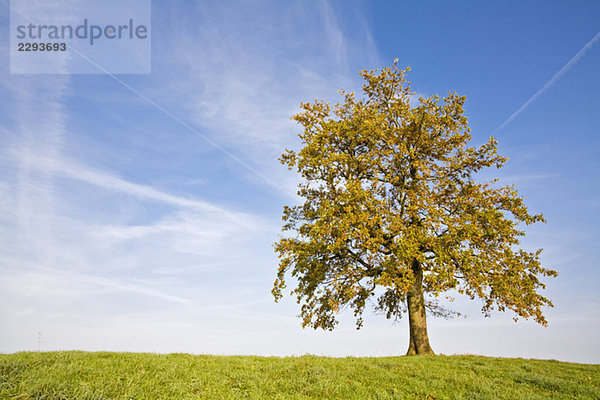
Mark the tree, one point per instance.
(392, 211)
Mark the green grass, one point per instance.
(81, 375)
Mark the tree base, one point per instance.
(423, 349)
(411, 352)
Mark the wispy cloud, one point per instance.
(45, 283)
(552, 80)
(64, 167)
(244, 93)
(55, 261)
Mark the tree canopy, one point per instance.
(393, 210)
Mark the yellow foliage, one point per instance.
(389, 186)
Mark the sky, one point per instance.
(138, 211)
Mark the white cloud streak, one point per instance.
(246, 91)
(75, 170)
(44, 283)
(552, 80)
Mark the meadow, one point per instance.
(105, 375)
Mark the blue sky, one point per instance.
(138, 212)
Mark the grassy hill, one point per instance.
(81, 375)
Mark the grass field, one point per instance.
(81, 375)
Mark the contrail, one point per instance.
(552, 80)
(175, 118)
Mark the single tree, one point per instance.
(392, 210)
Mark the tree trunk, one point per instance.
(419, 341)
